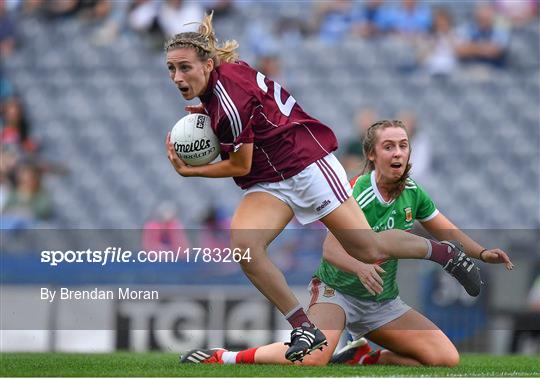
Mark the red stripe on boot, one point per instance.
(371, 358)
(246, 356)
(363, 350)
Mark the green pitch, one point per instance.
(166, 365)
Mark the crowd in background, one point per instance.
(441, 46)
(24, 202)
(441, 42)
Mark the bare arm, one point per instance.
(482, 49)
(368, 274)
(443, 229)
(238, 164)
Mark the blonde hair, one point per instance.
(205, 43)
(370, 140)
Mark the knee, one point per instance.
(245, 247)
(315, 359)
(452, 360)
(449, 358)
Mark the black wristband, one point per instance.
(480, 256)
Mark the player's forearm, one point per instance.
(223, 169)
(490, 50)
(336, 255)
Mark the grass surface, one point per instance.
(166, 365)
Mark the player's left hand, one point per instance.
(497, 256)
(179, 165)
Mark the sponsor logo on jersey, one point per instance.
(323, 205)
(329, 292)
(408, 214)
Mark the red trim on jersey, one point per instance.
(353, 180)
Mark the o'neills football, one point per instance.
(194, 140)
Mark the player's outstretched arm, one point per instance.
(238, 164)
(443, 229)
(368, 274)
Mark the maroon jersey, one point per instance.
(247, 107)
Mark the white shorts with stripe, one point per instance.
(361, 316)
(312, 193)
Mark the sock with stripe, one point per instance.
(239, 357)
(370, 358)
(438, 252)
(297, 318)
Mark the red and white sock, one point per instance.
(239, 357)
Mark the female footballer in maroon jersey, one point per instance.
(283, 158)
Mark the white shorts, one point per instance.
(361, 316)
(312, 193)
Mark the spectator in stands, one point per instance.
(215, 234)
(518, 12)
(6, 87)
(372, 19)
(166, 18)
(165, 231)
(7, 32)
(15, 126)
(28, 202)
(485, 40)
(269, 38)
(92, 9)
(353, 153)
(410, 19)
(114, 25)
(175, 15)
(215, 228)
(421, 153)
(8, 161)
(437, 52)
(221, 8)
(333, 20)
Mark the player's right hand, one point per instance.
(370, 278)
(179, 165)
(199, 108)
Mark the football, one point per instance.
(194, 140)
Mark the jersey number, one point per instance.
(284, 108)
